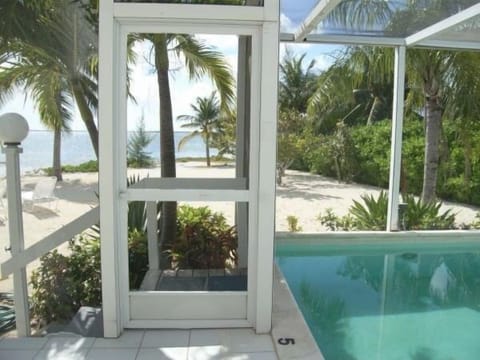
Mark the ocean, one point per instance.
(77, 148)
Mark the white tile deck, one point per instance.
(233, 344)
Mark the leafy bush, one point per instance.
(426, 216)
(62, 284)
(204, 240)
(89, 166)
(293, 224)
(372, 215)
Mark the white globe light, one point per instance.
(13, 128)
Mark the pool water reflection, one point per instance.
(413, 305)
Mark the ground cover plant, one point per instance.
(371, 214)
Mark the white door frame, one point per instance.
(116, 21)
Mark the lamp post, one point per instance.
(13, 129)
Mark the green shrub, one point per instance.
(89, 166)
(62, 284)
(426, 216)
(372, 215)
(293, 224)
(204, 240)
(334, 222)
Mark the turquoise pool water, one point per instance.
(414, 305)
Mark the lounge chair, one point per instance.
(42, 193)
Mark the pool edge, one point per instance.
(291, 335)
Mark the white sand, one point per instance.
(302, 195)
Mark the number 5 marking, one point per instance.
(286, 341)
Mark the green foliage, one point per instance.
(334, 222)
(86, 167)
(62, 284)
(288, 140)
(426, 216)
(333, 155)
(293, 224)
(204, 240)
(372, 215)
(137, 215)
(137, 157)
(137, 257)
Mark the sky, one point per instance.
(184, 92)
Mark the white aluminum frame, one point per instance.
(116, 21)
(396, 139)
(444, 25)
(317, 14)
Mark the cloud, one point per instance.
(287, 25)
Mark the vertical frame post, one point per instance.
(108, 183)
(396, 142)
(17, 245)
(266, 174)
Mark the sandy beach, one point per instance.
(302, 195)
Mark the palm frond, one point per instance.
(201, 60)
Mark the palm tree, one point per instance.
(297, 82)
(199, 60)
(54, 40)
(205, 121)
(428, 70)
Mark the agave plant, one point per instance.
(372, 215)
(421, 215)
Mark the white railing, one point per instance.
(19, 260)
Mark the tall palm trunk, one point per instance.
(375, 109)
(207, 149)
(86, 115)
(57, 162)
(167, 144)
(433, 118)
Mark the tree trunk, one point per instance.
(168, 227)
(86, 115)
(207, 150)
(57, 162)
(375, 110)
(433, 118)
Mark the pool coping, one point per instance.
(291, 336)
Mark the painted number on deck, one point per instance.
(286, 341)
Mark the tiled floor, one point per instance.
(234, 344)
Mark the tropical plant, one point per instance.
(62, 284)
(137, 156)
(371, 214)
(204, 240)
(288, 140)
(292, 222)
(205, 120)
(297, 82)
(53, 57)
(199, 60)
(429, 71)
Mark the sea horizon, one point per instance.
(77, 148)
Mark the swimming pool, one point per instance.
(387, 301)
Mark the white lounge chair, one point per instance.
(42, 193)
